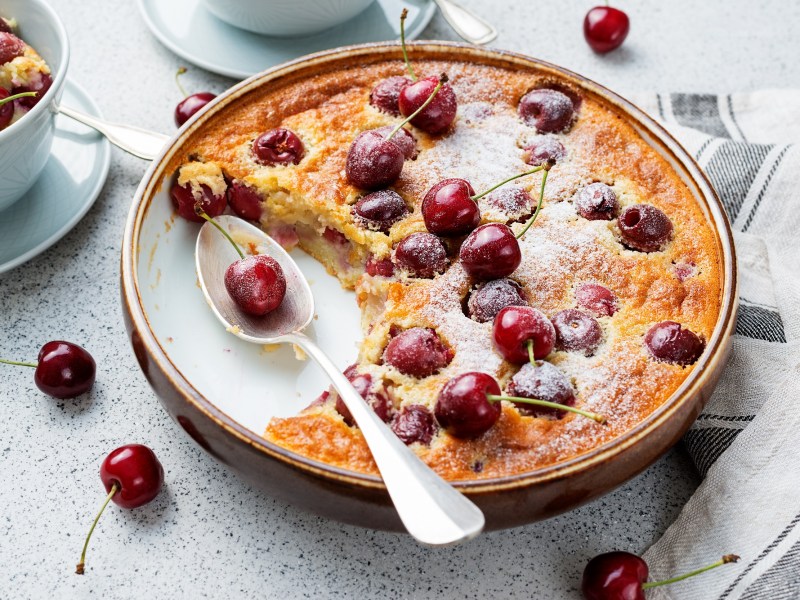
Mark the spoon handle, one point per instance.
(431, 509)
(139, 142)
(469, 26)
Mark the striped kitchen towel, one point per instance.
(746, 443)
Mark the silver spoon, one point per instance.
(431, 510)
(469, 26)
(139, 142)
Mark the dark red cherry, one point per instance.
(373, 394)
(597, 202)
(491, 297)
(541, 381)
(685, 270)
(462, 407)
(545, 149)
(439, 114)
(11, 47)
(490, 252)
(64, 370)
(449, 210)
(549, 111)
(644, 227)
(41, 86)
(598, 300)
(614, 576)
(379, 267)
(414, 423)
(132, 477)
(421, 255)
(513, 201)
(380, 210)
(256, 284)
(418, 352)
(514, 326)
(669, 342)
(402, 139)
(6, 109)
(605, 28)
(386, 94)
(184, 200)
(244, 201)
(373, 162)
(136, 472)
(190, 105)
(278, 147)
(576, 331)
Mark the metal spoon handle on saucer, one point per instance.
(139, 142)
(469, 26)
(432, 510)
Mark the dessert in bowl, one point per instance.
(607, 293)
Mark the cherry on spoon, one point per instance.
(432, 511)
(64, 370)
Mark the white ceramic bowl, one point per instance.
(25, 145)
(286, 17)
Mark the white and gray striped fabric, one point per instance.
(746, 444)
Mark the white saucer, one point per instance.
(193, 33)
(64, 192)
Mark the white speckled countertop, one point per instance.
(209, 534)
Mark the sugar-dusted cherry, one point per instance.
(516, 328)
(490, 297)
(544, 149)
(597, 299)
(669, 342)
(385, 95)
(379, 267)
(421, 255)
(244, 200)
(418, 352)
(597, 202)
(543, 381)
(11, 47)
(514, 202)
(372, 392)
(414, 424)
(380, 210)
(63, 369)
(644, 227)
(403, 139)
(490, 252)
(132, 477)
(577, 331)
(547, 110)
(186, 197)
(191, 103)
(623, 576)
(438, 115)
(605, 28)
(279, 146)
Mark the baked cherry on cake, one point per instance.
(561, 287)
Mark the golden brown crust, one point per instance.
(562, 250)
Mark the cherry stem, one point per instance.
(442, 81)
(201, 213)
(535, 214)
(180, 72)
(530, 353)
(80, 565)
(403, 16)
(17, 96)
(17, 363)
(544, 403)
(728, 558)
(477, 197)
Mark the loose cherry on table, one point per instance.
(374, 160)
(64, 370)
(523, 333)
(421, 255)
(669, 342)
(469, 405)
(186, 197)
(418, 352)
(191, 103)
(414, 102)
(605, 28)
(256, 283)
(623, 576)
(132, 476)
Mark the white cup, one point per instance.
(25, 145)
(285, 18)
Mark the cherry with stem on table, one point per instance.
(64, 370)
